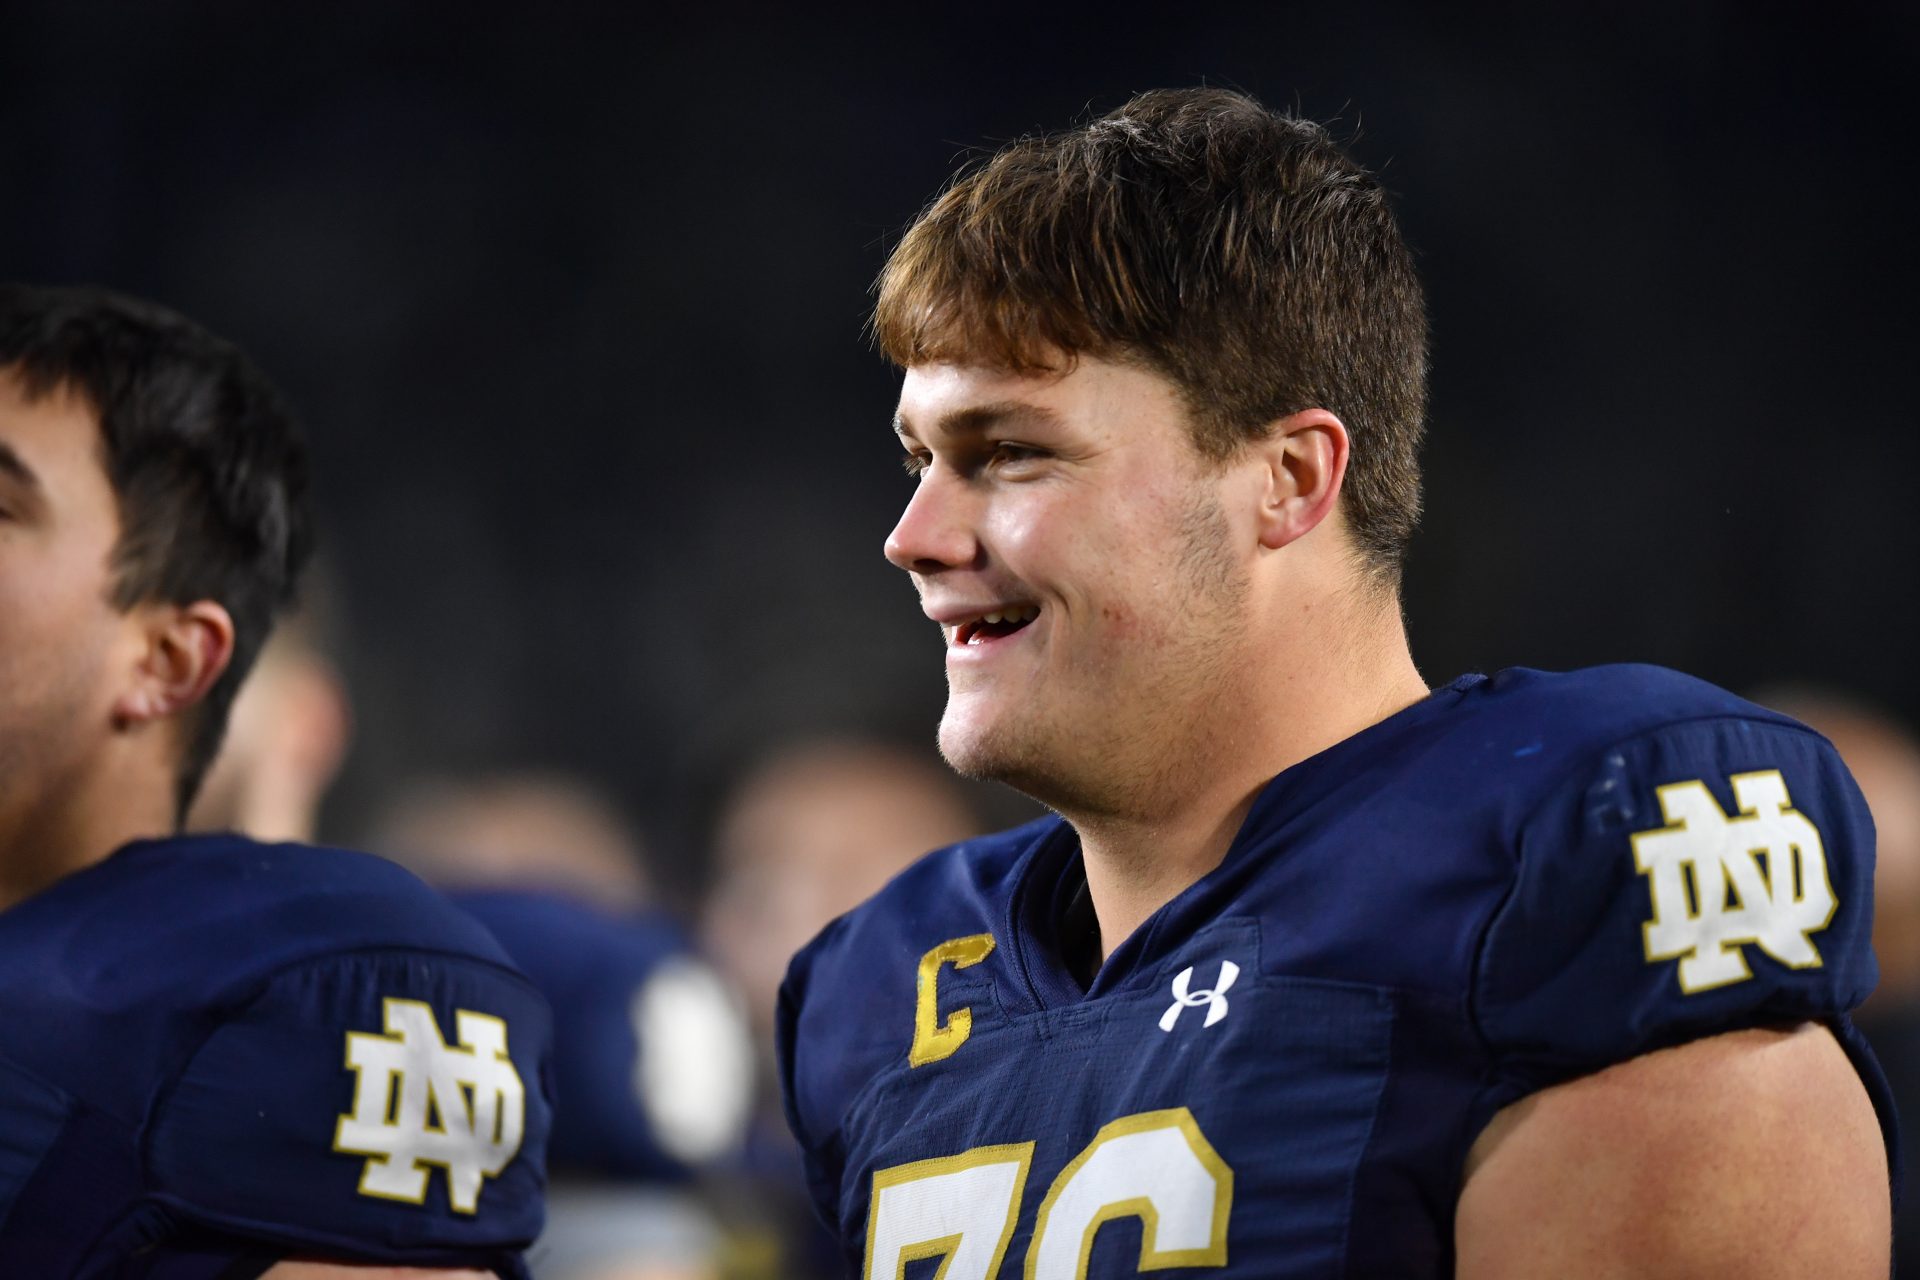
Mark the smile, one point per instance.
(997, 624)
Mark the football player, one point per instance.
(1318, 971)
(218, 1058)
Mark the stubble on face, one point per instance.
(1133, 724)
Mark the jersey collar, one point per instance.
(1050, 917)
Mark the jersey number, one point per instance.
(1156, 1166)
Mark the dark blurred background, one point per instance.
(572, 302)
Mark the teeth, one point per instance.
(1013, 615)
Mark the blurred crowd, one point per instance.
(670, 1159)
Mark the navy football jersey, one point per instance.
(1279, 1074)
(653, 1064)
(214, 1053)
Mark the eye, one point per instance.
(915, 463)
(1008, 454)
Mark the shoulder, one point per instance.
(1554, 765)
(229, 1006)
(209, 903)
(145, 946)
(1683, 864)
(868, 961)
(1566, 717)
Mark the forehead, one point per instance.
(57, 421)
(946, 399)
(52, 443)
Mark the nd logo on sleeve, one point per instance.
(420, 1103)
(1722, 883)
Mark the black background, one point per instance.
(572, 302)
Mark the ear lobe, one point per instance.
(186, 649)
(1306, 456)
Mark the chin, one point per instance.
(977, 746)
(1017, 756)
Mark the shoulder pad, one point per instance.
(386, 1097)
(1703, 876)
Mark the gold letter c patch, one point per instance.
(933, 1041)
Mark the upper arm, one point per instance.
(1753, 1153)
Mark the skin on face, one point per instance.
(1081, 496)
(59, 631)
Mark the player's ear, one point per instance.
(182, 650)
(1305, 462)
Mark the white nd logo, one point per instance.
(418, 1102)
(1720, 883)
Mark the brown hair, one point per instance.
(207, 464)
(1238, 252)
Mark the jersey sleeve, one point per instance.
(801, 1087)
(1705, 877)
(385, 1106)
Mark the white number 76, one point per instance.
(1156, 1166)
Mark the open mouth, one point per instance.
(997, 625)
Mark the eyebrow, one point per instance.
(12, 465)
(977, 418)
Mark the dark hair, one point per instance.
(208, 468)
(1238, 252)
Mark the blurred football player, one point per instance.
(219, 1058)
(809, 832)
(654, 1067)
(1319, 971)
(536, 830)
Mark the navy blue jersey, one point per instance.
(213, 1049)
(653, 1065)
(1516, 881)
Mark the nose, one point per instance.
(936, 530)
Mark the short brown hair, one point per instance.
(207, 465)
(1236, 251)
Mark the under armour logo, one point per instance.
(1215, 1000)
(421, 1104)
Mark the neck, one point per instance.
(1354, 669)
(67, 823)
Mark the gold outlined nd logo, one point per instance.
(420, 1104)
(1721, 883)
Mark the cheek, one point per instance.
(1119, 620)
(54, 630)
